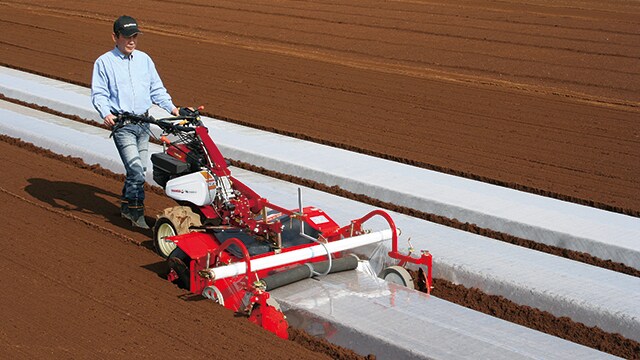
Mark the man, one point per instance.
(125, 80)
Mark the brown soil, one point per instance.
(78, 282)
(472, 228)
(536, 96)
(70, 191)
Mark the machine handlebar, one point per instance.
(187, 121)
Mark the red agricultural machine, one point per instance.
(231, 245)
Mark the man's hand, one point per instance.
(186, 111)
(175, 112)
(110, 120)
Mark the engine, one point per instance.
(200, 188)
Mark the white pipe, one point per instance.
(281, 259)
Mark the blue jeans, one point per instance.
(132, 142)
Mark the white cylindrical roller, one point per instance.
(273, 261)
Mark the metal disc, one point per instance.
(177, 262)
(397, 275)
(213, 293)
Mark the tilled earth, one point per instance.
(536, 96)
(79, 283)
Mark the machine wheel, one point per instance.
(173, 221)
(397, 275)
(179, 262)
(213, 293)
(162, 229)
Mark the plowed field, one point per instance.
(538, 95)
(541, 96)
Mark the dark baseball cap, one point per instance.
(126, 25)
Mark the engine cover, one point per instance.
(198, 188)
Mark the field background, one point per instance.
(541, 96)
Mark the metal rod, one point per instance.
(290, 257)
(301, 213)
(311, 237)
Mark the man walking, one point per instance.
(125, 80)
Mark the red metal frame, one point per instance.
(244, 293)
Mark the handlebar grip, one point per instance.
(184, 128)
(185, 111)
(172, 128)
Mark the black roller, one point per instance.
(287, 277)
(344, 263)
(305, 271)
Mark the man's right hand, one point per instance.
(185, 111)
(110, 120)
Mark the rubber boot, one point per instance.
(124, 209)
(136, 215)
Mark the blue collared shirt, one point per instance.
(130, 84)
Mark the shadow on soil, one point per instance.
(82, 198)
(161, 269)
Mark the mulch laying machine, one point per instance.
(233, 246)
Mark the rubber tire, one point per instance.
(398, 275)
(179, 261)
(163, 228)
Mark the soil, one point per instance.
(539, 96)
(76, 205)
(79, 282)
